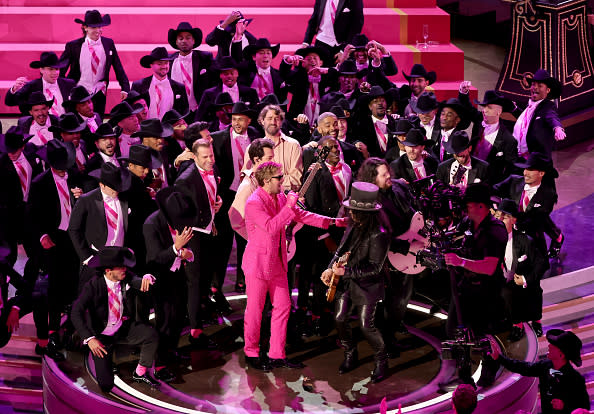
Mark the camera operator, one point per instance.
(562, 388)
(479, 266)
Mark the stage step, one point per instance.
(279, 24)
(231, 4)
(584, 332)
(574, 309)
(15, 58)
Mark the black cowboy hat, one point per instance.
(426, 102)
(419, 71)
(114, 177)
(375, 92)
(59, 155)
(344, 104)
(568, 343)
(134, 96)
(14, 139)
(477, 193)
(172, 116)
(158, 53)
(68, 122)
(363, 197)
(104, 130)
(403, 125)
(178, 209)
(231, 27)
(37, 98)
(508, 206)
(416, 137)
(94, 19)
(262, 43)
(140, 155)
(113, 256)
(240, 108)
(545, 77)
(48, 60)
(184, 27)
(304, 51)
(223, 99)
(460, 109)
(225, 63)
(122, 111)
(328, 100)
(272, 99)
(78, 94)
(493, 97)
(349, 68)
(153, 128)
(360, 41)
(338, 111)
(457, 142)
(540, 162)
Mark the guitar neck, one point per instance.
(309, 180)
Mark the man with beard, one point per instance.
(69, 127)
(463, 169)
(153, 133)
(415, 164)
(174, 144)
(163, 92)
(126, 119)
(418, 79)
(39, 120)
(374, 130)
(137, 100)
(190, 67)
(105, 142)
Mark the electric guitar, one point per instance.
(336, 278)
(294, 227)
(408, 263)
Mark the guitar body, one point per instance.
(408, 263)
(331, 292)
(292, 229)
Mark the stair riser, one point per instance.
(212, 3)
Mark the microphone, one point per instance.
(299, 203)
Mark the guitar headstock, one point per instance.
(344, 258)
(322, 154)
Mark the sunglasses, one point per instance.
(278, 177)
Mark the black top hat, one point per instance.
(416, 137)
(493, 97)
(104, 130)
(328, 100)
(172, 116)
(262, 43)
(508, 206)
(359, 41)
(457, 143)
(78, 94)
(60, 155)
(134, 96)
(403, 125)
(48, 60)
(375, 92)
(139, 155)
(178, 209)
(122, 111)
(426, 102)
(113, 256)
(460, 109)
(37, 98)
(14, 139)
(225, 63)
(338, 111)
(158, 53)
(419, 71)
(114, 177)
(153, 128)
(540, 162)
(231, 27)
(68, 122)
(223, 99)
(568, 343)
(545, 77)
(271, 99)
(478, 193)
(240, 108)
(363, 197)
(184, 27)
(94, 19)
(304, 51)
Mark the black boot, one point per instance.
(380, 371)
(351, 360)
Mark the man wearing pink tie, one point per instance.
(267, 212)
(39, 119)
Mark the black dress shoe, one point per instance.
(351, 361)
(257, 363)
(555, 248)
(537, 328)
(379, 372)
(221, 303)
(164, 375)
(146, 378)
(202, 342)
(239, 287)
(49, 352)
(516, 334)
(285, 363)
(54, 339)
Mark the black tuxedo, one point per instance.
(180, 98)
(352, 156)
(25, 123)
(248, 72)
(402, 168)
(479, 169)
(202, 77)
(365, 132)
(222, 39)
(90, 313)
(170, 172)
(246, 94)
(36, 85)
(95, 161)
(541, 134)
(221, 143)
(348, 21)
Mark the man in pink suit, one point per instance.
(267, 212)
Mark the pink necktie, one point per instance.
(418, 173)
(41, 137)
(187, 78)
(210, 189)
(94, 59)
(262, 86)
(240, 151)
(525, 201)
(111, 216)
(64, 197)
(314, 98)
(340, 187)
(381, 135)
(50, 96)
(22, 173)
(158, 103)
(444, 138)
(114, 303)
(333, 13)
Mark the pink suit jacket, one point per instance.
(266, 253)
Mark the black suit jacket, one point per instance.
(348, 21)
(180, 98)
(159, 251)
(191, 184)
(72, 55)
(221, 143)
(202, 78)
(541, 134)
(25, 123)
(11, 194)
(36, 85)
(88, 225)
(479, 169)
(365, 132)
(246, 94)
(402, 168)
(222, 39)
(248, 71)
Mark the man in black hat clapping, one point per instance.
(415, 164)
(163, 92)
(538, 126)
(463, 169)
(39, 120)
(91, 57)
(50, 83)
(104, 317)
(562, 388)
(190, 67)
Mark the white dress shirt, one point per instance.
(166, 103)
(64, 201)
(92, 82)
(42, 130)
(177, 75)
(244, 142)
(233, 92)
(57, 109)
(522, 125)
(114, 238)
(326, 30)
